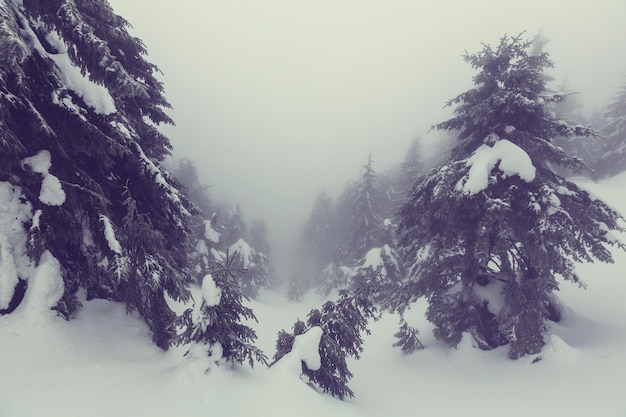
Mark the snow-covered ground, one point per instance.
(104, 364)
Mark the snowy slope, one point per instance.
(104, 364)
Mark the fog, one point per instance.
(275, 99)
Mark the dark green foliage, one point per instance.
(221, 324)
(147, 272)
(488, 260)
(382, 269)
(343, 323)
(284, 341)
(407, 338)
(102, 155)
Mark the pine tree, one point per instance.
(215, 320)
(570, 111)
(295, 289)
(204, 230)
(343, 323)
(318, 240)
(77, 94)
(259, 242)
(186, 173)
(489, 232)
(365, 220)
(382, 265)
(612, 154)
(257, 266)
(258, 237)
(235, 227)
(409, 171)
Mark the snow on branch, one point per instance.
(509, 158)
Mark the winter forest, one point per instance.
(468, 261)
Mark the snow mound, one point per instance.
(13, 259)
(51, 193)
(305, 349)
(45, 289)
(509, 158)
(211, 293)
(39, 163)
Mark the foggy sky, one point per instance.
(275, 99)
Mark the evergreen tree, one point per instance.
(186, 173)
(257, 266)
(365, 219)
(79, 105)
(205, 235)
(318, 240)
(336, 275)
(215, 320)
(343, 323)
(612, 154)
(263, 272)
(258, 237)
(488, 233)
(207, 249)
(570, 110)
(409, 171)
(382, 265)
(235, 227)
(295, 290)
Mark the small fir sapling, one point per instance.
(343, 323)
(215, 320)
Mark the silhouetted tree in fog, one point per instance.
(612, 153)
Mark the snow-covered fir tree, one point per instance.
(365, 220)
(382, 265)
(256, 260)
(213, 326)
(249, 250)
(259, 271)
(203, 224)
(263, 261)
(612, 153)
(489, 233)
(343, 323)
(364, 245)
(409, 170)
(234, 228)
(80, 148)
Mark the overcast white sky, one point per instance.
(276, 99)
